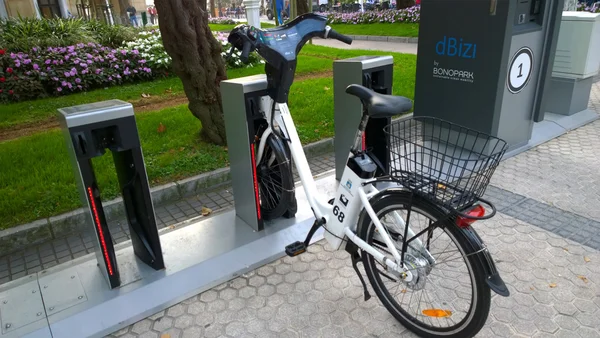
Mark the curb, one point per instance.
(72, 222)
(395, 39)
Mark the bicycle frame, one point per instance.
(351, 197)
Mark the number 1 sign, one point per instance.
(520, 70)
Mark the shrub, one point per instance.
(150, 46)
(111, 36)
(63, 70)
(23, 34)
(408, 15)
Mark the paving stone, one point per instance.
(317, 294)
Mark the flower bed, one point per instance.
(222, 21)
(408, 15)
(64, 70)
(584, 7)
(150, 46)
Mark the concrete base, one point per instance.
(553, 126)
(569, 96)
(74, 300)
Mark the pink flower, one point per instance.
(48, 61)
(59, 89)
(36, 67)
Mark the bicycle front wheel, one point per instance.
(447, 295)
(275, 180)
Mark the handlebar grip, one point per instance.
(245, 51)
(340, 37)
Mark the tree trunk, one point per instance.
(400, 4)
(212, 9)
(202, 4)
(301, 7)
(197, 61)
(123, 4)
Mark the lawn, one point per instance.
(12, 115)
(380, 29)
(37, 180)
(227, 28)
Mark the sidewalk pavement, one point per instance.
(545, 240)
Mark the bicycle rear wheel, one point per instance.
(275, 180)
(449, 298)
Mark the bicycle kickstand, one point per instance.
(298, 247)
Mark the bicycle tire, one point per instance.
(274, 204)
(481, 293)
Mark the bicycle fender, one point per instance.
(493, 280)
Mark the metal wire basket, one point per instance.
(444, 162)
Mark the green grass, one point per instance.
(381, 29)
(12, 115)
(37, 180)
(227, 28)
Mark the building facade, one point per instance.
(104, 10)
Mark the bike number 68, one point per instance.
(340, 215)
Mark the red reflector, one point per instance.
(102, 241)
(364, 141)
(255, 181)
(477, 211)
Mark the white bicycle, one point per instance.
(423, 259)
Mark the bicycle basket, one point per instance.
(444, 162)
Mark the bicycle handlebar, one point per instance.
(332, 34)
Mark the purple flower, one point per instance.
(135, 71)
(28, 73)
(85, 71)
(64, 83)
(91, 44)
(35, 49)
(123, 51)
(13, 55)
(59, 89)
(48, 68)
(116, 66)
(36, 67)
(17, 63)
(79, 87)
(77, 80)
(54, 78)
(98, 70)
(67, 74)
(76, 61)
(48, 61)
(90, 62)
(69, 85)
(126, 71)
(110, 78)
(147, 70)
(127, 62)
(55, 62)
(118, 76)
(89, 56)
(60, 62)
(67, 57)
(27, 61)
(142, 61)
(83, 65)
(73, 71)
(135, 52)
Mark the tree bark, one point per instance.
(212, 9)
(197, 61)
(400, 4)
(123, 4)
(203, 5)
(301, 7)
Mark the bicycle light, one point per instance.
(478, 211)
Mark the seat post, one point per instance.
(357, 147)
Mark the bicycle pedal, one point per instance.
(295, 249)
